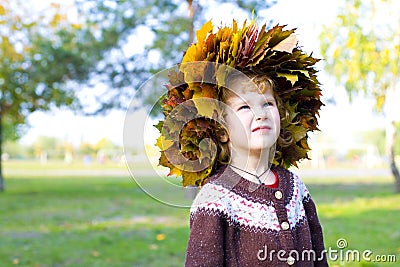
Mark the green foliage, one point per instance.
(378, 138)
(46, 142)
(53, 147)
(39, 55)
(171, 23)
(56, 148)
(47, 58)
(104, 143)
(87, 149)
(15, 150)
(362, 49)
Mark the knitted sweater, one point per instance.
(235, 222)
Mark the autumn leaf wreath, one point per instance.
(272, 52)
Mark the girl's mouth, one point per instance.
(262, 128)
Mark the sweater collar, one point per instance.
(231, 180)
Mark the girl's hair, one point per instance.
(240, 82)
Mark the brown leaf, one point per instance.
(286, 45)
(292, 78)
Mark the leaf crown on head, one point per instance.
(271, 52)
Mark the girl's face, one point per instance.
(253, 122)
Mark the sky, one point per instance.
(339, 122)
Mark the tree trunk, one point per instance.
(2, 186)
(390, 139)
(191, 17)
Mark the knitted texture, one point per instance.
(235, 222)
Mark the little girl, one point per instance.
(251, 210)
(248, 214)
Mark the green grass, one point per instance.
(365, 213)
(109, 221)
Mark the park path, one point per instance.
(337, 173)
(304, 173)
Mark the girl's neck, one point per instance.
(256, 164)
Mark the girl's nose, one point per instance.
(260, 113)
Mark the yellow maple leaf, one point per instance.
(163, 143)
(175, 171)
(202, 33)
(235, 44)
(194, 71)
(189, 178)
(206, 106)
(191, 54)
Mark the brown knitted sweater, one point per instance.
(235, 222)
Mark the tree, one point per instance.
(171, 24)
(362, 50)
(48, 59)
(42, 59)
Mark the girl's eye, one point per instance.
(243, 107)
(268, 104)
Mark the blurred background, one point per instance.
(69, 69)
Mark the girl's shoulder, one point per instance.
(286, 173)
(220, 191)
(210, 197)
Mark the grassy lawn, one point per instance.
(365, 213)
(107, 220)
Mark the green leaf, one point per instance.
(298, 132)
(291, 109)
(159, 125)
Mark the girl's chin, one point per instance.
(260, 149)
(263, 144)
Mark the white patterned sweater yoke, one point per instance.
(232, 219)
(240, 210)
